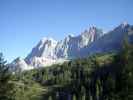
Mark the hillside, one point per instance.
(98, 77)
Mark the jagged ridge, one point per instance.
(48, 51)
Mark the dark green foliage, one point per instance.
(106, 76)
(6, 87)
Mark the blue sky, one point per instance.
(24, 22)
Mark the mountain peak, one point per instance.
(17, 59)
(90, 41)
(88, 29)
(46, 41)
(68, 37)
(45, 48)
(43, 40)
(93, 33)
(91, 30)
(124, 24)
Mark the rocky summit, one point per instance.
(91, 41)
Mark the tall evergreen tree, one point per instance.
(125, 82)
(5, 85)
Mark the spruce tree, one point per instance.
(5, 84)
(125, 82)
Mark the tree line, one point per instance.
(106, 76)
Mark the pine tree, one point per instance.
(5, 85)
(125, 82)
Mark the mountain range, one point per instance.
(91, 41)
